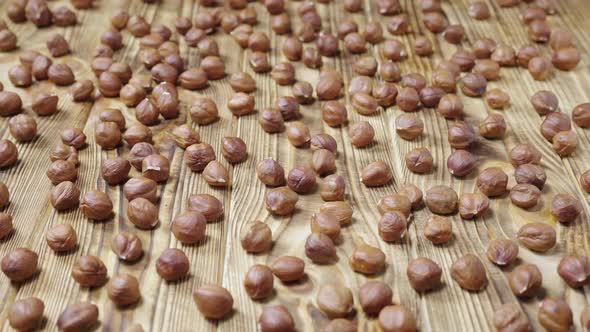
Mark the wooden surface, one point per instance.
(220, 259)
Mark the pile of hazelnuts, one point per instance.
(155, 97)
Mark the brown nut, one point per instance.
(492, 182)
(79, 316)
(107, 135)
(450, 106)
(367, 259)
(20, 76)
(408, 100)
(554, 123)
(216, 175)
(502, 252)
(493, 127)
(361, 134)
(575, 271)
(298, 133)
(301, 180)
(8, 153)
(276, 318)
(544, 102)
(324, 141)
(473, 205)
(438, 230)
(441, 200)
(61, 170)
(303, 92)
(288, 268)
(96, 205)
(44, 104)
(89, 271)
(156, 167)
(413, 193)
(207, 205)
(537, 236)
(23, 127)
(408, 126)
(525, 280)
(281, 201)
(197, 156)
(566, 58)
(374, 296)
(565, 207)
(203, 110)
(10, 103)
(332, 188)
(259, 282)
(127, 246)
(323, 162)
(376, 174)
(395, 202)
(172, 264)
(341, 210)
(271, 173)
(19, 264)
(257, 239)
(525, 195)
(392, 226)
(142, 213)
(470, 273)
(283, 73)
(320, 249)
(334, 300)
(397, 318)
(585, 181)
(524, 154)
(565, 143)
(326, 224)
(334, 113)
(330, 85)
(82, 90)
(581, 115)
(65, 196)
(26, 314)
(123, 289)
(213, 302)
(423, 274)
(6, 226)
(189, 227)
(419, 160)
(241, 104)
(555, 314)
(61, 238)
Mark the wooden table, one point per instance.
(220, 258)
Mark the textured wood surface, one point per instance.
(220, 259)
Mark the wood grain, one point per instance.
(220, 259)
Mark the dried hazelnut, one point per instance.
(470, 273)
(373, 32)
(65, 196)
(213, 302)
(119, 19)
(288, 268)
(566, 58)
(142, 213)
(394, 50)
(332, 188)
(135, 134)
(397, 318)
(367, 259)
(408, 126)
(585, 181)
(565, 143)
(26, 314)
(441, 200)
(298, 134)
(289, 107)
(423, 46)
(329, 86)
(216, 175)
(79, 316)
(127, 246)
(494, 126)
(419, 160)
(323, 162)
(324, 141)
(524, 154)
(575, 271)
(525, 280)
(560, 38)
(107, 135)
(334, 113)
(96, 205)
(525, 195)
(473, 85)
(504, 55)
(20, 76)
(10, 103)
(281, 201)
(203, 110)
(461, 135)
(301, 180)
(61, 238)
(44, 104)
(241, 104)
(8, 40)
(438, 230)
(525, 54)
(502, 252)
(320, 248)
(392, 226)
(464, 59)
(19, 264)
(361, 134)
(138, 152)
(389, 71)
(581, 115)
(189, 227)
(89, 271)
(271, 173)
(492, 182)
(554, 123)
(6, 226)
(23, 127)
(8, 153)
(473, 205)
(479, 10)
(395, 202)
(537, 236)
(335, 300)
(326, 224)
(408, 100)
(172, 264)
(61, 170)
(445, 80)
(565, 207)
(303, 92)
(123, 289)
(82, 90)
(73, 137)
(374, 296)
(376, 174)
(423, 274)
(555, 314)
(259, 282)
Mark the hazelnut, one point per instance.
(565, 207)
(537, 236)
(257, 239)
(73, 137)
(156, 167)
(61, 170)
(413, 193)
(492, 182)
(123, 289)
(172, 264)
(138, 152)
(65, 196)
(142, 213)
(575, 271)
(270, 172)
(323, 162)
(89, 271)
(524, 154)
(376, 174)
(209, 206)
(525, 280)
(397, 318)
(470, 273)
(197, 156)
(241, 104)
(473, 85)
(324, 141)
(334, 113)
(408, 126)
(301, 180)
(329, 85)
(367, 259)
(423, 46)
(566, 58)
(276, 318)
(189, 227)
(298, 133)
(96, 205)
(525, 54)
(288, 268)
(82, 90)
(289, 107)
(107, 135)
(374, 296)
(216, 174)
(8, 40)
(365, 65)
(585, 181)
(319, 248)
(445, 79)
(394, 50)
(334, 300)
(79, 316)
(127, 246)
(119, 19)
(303, 92)
(419, 160)
(504, 55)
(284, 74)
(203, 110)
(259, 282)
(489, 69)
(540, 68)
(502, 252)
(10, 103)
(213, 302)
(332, 188)
(184, 135)
(61, 238)
(408, 100)
(493, 127)
(441, 200)
(213, 66)
(23, 127)
(6, 226)
(395, 202)
(26, 314)
(525, 195)
(423, 274)
(385, 94)
(465, 60)
(327, 44)
(392, 226)
(8, 153)
(555, 314)
(554, 123)
(44, 104)
(438, 230)
(19, 264)
(581, 115)
(57, 45)
(326, 224)
(565, 143)
(361, 134)
(20, 76)
(389, 71)
(479, 10)
(473, 205)
(281, 201)
(531, 174)
(339, 209)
